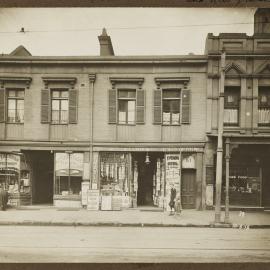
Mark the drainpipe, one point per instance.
(220, 139)
(92, 78)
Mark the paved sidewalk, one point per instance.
(128, 217)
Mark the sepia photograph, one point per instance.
(135, 135)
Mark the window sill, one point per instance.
(171, 125)
(58, 124)
(15, 123)
(132, 125)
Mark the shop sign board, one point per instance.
(9, 161)
(61, 161)
(106, 202)
(173, 170)
(85, 188)
(188, 162)
(209, 195)
(93, 200)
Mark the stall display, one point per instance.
(15, 178)
(114, 180)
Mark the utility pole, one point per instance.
(220, 139)
(227, 158)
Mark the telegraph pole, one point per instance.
(220, 139)
(227, 158)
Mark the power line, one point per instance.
(24, 31)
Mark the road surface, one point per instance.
(132, 244)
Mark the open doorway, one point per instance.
(42, 166)
(146, 172)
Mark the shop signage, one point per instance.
(106, 202)
(93, 200)
(172, 172)
(85, 188)
(188, 162)
(61, 161)
(76, 161)
(9, 161)
(209, 195)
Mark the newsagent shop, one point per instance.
(144, 179)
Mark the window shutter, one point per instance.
(186, 106)
(112, 106)
(45, 106)
(157, 111)
(2, 105)
(140, 100)
(72, 106)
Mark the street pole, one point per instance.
(220, 141)
(227, 158)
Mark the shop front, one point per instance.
(145, 178)
(68, 178)
(15, 178)
(249, 177)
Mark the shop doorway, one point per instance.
(146, 172)
(188, 188)
(42, 166)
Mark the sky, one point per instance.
(133, 31)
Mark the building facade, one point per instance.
(246, 122)
(110, 132)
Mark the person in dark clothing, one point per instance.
(172, 200)
(3, 198)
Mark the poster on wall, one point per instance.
(172, 164)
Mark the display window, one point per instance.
(10, 172)
(244, 186)
(114, 173)
(68, 173)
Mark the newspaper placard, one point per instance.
(85, 188)
(93, 200)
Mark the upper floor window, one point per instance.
(59, 105)
(231, 105)
(126, 106)
(264, 106)
(15, 106)
(171, 107)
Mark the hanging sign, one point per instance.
(188, 162)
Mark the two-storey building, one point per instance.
(127, 128)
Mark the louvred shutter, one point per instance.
(2, 105)
(45, 106)
(140, 105)
(112, 106)
(186, 106)
(157, 110)
(72, 104)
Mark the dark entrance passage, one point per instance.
(188, 188)
(145, 177)
(42, 166)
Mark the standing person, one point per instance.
(3, 198)
(172, 200)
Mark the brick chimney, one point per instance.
(262, 21)
(106, 48)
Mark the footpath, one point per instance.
(51, 216)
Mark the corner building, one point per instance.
(246, 122)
